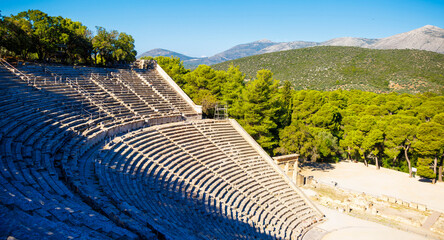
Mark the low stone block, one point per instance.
(392, 200)
(384, 198)
(422, 207)
(358, 207)
(413, 205)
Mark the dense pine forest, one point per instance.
(393, 130)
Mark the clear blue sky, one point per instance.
(204, 28)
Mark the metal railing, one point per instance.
(62, 80)
(25, 77)
(76, 85)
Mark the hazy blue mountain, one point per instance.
(238, 51)
(430, 38)
(164, 52)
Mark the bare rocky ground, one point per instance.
(383, 197)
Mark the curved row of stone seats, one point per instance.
(268, 184)
(223, 134)
(81, 84)
(52, 70)
(106, 75)
(80, 148)
(80, 175)
(21, 225)
(79, 78)
(102, 85)
(16, 133)
(31, 138)
(146, 91)
(124, 95)
(182, 179)
(109, 214)
(101, 98)
(133, 102)
(274, 187)
(142, 188)
(163, 87)
(118, 191)
(181, 159)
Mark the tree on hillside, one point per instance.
(372, 138)
(327, 117)
(34, 34)
(110, 47)
(439, 118)
(287, 104)
(103, 45)
(357, 138)
(203, 85)
(76, 40)
(30, 31)
(16, 36)
(374, 110)
(326, 146)
(44, 31)
(310, 143)
(393, 103)
(424, 169)
(124, 46)
(231, 92)
(351, 143)
(430, 144)
(399, 135)
(261, 104)
(373, 144)
(295, 139)
(430, 106)
(306, 103)
(348, 142)
(197, 82)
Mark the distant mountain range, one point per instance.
(430, 38)
(166, 53)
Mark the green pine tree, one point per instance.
(260, 105)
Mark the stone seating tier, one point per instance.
(32, 194)
(71, 155)
(183, 162)
(121, 92)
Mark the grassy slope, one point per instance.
(329, 68)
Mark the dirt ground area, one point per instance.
(357, 202)
(359, 178)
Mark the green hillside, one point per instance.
(329, 68)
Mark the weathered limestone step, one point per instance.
(431, 220)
